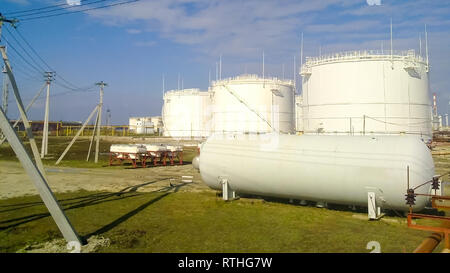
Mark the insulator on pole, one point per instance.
(435, 183)
(410, 197)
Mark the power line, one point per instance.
(20, 55)
(69, 84)
(31, 70)
(61, 94)
(41, 8)
(80, 89)
(37, 67)
(60, 9)
(32, 49)
(16, 63)
(77, 11)
(26, 52)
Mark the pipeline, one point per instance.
(432, 241)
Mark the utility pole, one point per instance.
(99, 123)
(97, 127)
(44, 149)
(35, 170)
(77, 135)
(93, 136)
(19, 119)
(5, 93)
(22, 112)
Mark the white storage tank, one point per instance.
(185, 113)
(250, 104)
(298, 113)
(332, 169)
(366, 92)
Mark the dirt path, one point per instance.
(15, 182)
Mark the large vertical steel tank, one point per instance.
(366, 92)
(298, 113)
(185, 113)
(249, 104)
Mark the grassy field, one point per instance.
(170, 221)
(76, 157)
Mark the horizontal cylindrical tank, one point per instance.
(333, 169)
(248, 103)
(366, 92)
(185, 113)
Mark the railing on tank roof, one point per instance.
(407, 55)
(245, 77)
(190, 91)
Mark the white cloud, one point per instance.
(134, 31)
(147, 43)
(373, 2)
(240, 30)
(226, 27)
(73, 2)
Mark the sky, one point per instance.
(132, 46)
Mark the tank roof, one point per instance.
(251, 78)
(186, 92)
(365, 55)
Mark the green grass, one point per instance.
(76, 157)
(192, 222)
(199, 222)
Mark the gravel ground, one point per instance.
(15, 182)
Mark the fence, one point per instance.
(71, 130)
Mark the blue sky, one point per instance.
(131, 46)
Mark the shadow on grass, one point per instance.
(90, 197)
(130, 214)
(89, 200)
